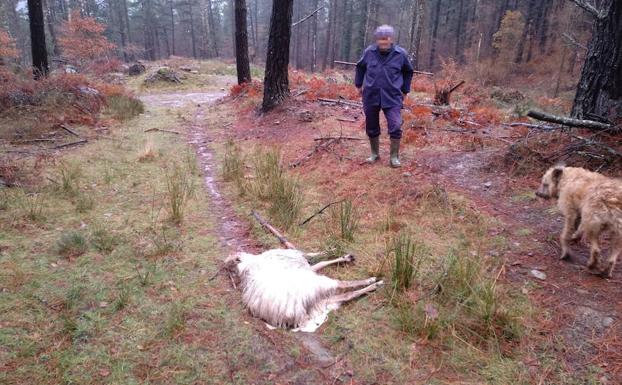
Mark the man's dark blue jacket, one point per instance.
(385, 78)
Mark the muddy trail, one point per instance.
(584, 308)
(234, 235)
(581, 308)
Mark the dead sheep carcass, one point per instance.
(283, 289)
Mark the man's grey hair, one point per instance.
(384, 31)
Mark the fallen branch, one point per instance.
(308, 16)
(35, 140)
(320, 211)
(346, 120)
(69, 130)
(273, 230)
(162, 130)
(338, 138)
(317, 148)
(423, 73)
(348, 63)
(345, 63)
(571, 122)
(571, 39)
(338, 101)
(529, 125)
(83, 141)
(443, 95)
(591, 142)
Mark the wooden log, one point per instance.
(338, 138)
(162, 130)
(571, 122)
(69, 130)
(347, 120)
(339, 101)
(317, 148)
(83, 141)
(529, 125)
(273, 230)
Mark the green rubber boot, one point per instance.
(395, 153)
(374, 143)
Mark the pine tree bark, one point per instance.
(276, 82)
(212, 27)
(599, 91)
(172, 15)
(435, 22)
(37, 38)
(241, 43)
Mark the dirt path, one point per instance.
(580, 305)
(234, 235)
(584, 308)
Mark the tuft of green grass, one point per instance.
(175, 320)
(279, 190)
(123, 107)
(84, 202)
(406, 256)
(180, 187)
(31, 206)
(348, 220)
(103, 240)
(70, 174)
(71, 244)
(123, 297)
(233, 163)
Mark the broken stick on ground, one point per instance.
(273, 230)
(571, 122)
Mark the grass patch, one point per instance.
(180, 187)
(275, 187)
(346, 215)
(123, 107)
(406, 256)
(71, 244)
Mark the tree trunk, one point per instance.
(241, 43)
(212, 27)
(527, 31)
(437, 13)
(600, 89)
(193, 37)
(314, 39)
(172, 14)
(276, 83)
(329, 33)
(37, 38)
(459, 54)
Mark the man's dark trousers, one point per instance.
(372, 121)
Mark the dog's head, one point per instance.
(549, 187)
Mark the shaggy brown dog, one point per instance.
(591, 204)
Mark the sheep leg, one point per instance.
(353, 284)
(345, 297)
(320, 265)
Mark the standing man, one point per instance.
(383, 77)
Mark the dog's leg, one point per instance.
(320, 265)
(616, 250)
(567, 234)
(345, 297)
(592, 238)
(577, 229)
(353, 284)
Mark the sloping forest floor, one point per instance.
(110, 249)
